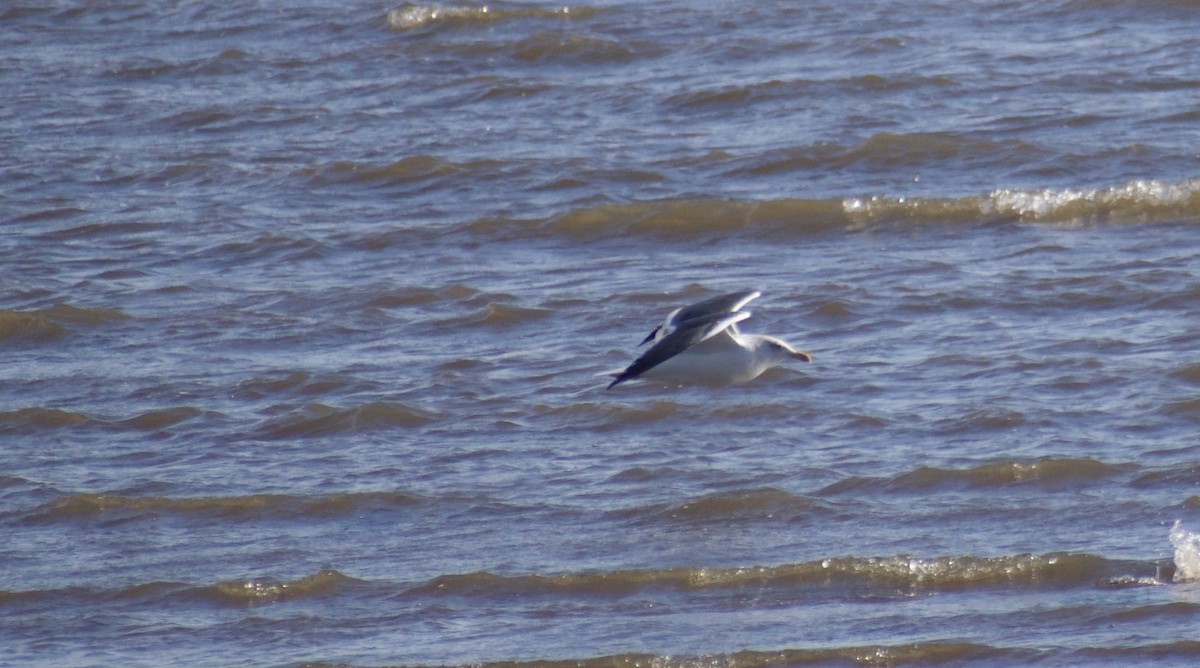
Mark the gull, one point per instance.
(701, 343)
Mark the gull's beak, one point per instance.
(805, 357)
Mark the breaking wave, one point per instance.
(862, 574)
(1135, 203)
(267, 590)
(1187, 553)
(411, 16)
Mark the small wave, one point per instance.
(140, 68)
(679, 220)
(292, 383)
(1189, 373)
(149, 591)
(456, 306)
(1177, 653)
(161, 419)
(404, 298)
(1172, 476)
(321, 420)
(770, 91)
(53, 213)
(932, 653)
(413, 17)
(90, 230)
(325, 582)
(1046, 472)
(889, 150)
(265, 248)
(419, 296)
(980, 420)
(211, 117)
(1183, 609)
(833, 309)
(504, 89)
(860, 573)
(54, 322)
(498, 315)
(881, 151)
(747, 505)
(74, 315)
(406, 170)
(1187, 408)
(913, 654)
(33, 420)
(268, 590)
(38, 419)
(917, 654)
(553, 47)
(115, 508)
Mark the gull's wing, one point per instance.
(661, 330)
(719, 305)
(686, 334)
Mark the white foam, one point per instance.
(1049, 203)
(1187, 553)
(410, 16)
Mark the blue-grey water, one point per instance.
(305, 311)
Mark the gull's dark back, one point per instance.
(718, 305)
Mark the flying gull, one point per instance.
(701, 343)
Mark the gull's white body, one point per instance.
(725, 359)
(701, 344)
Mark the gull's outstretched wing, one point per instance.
(719, 305)
(686, 333)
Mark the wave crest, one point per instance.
(1044, 472)
(1141, 202)
(268, 590)
(886, 575)
(414, 17)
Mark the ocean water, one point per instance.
(306, 310)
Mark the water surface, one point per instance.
(305, 311)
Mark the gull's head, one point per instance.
(778, 351)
